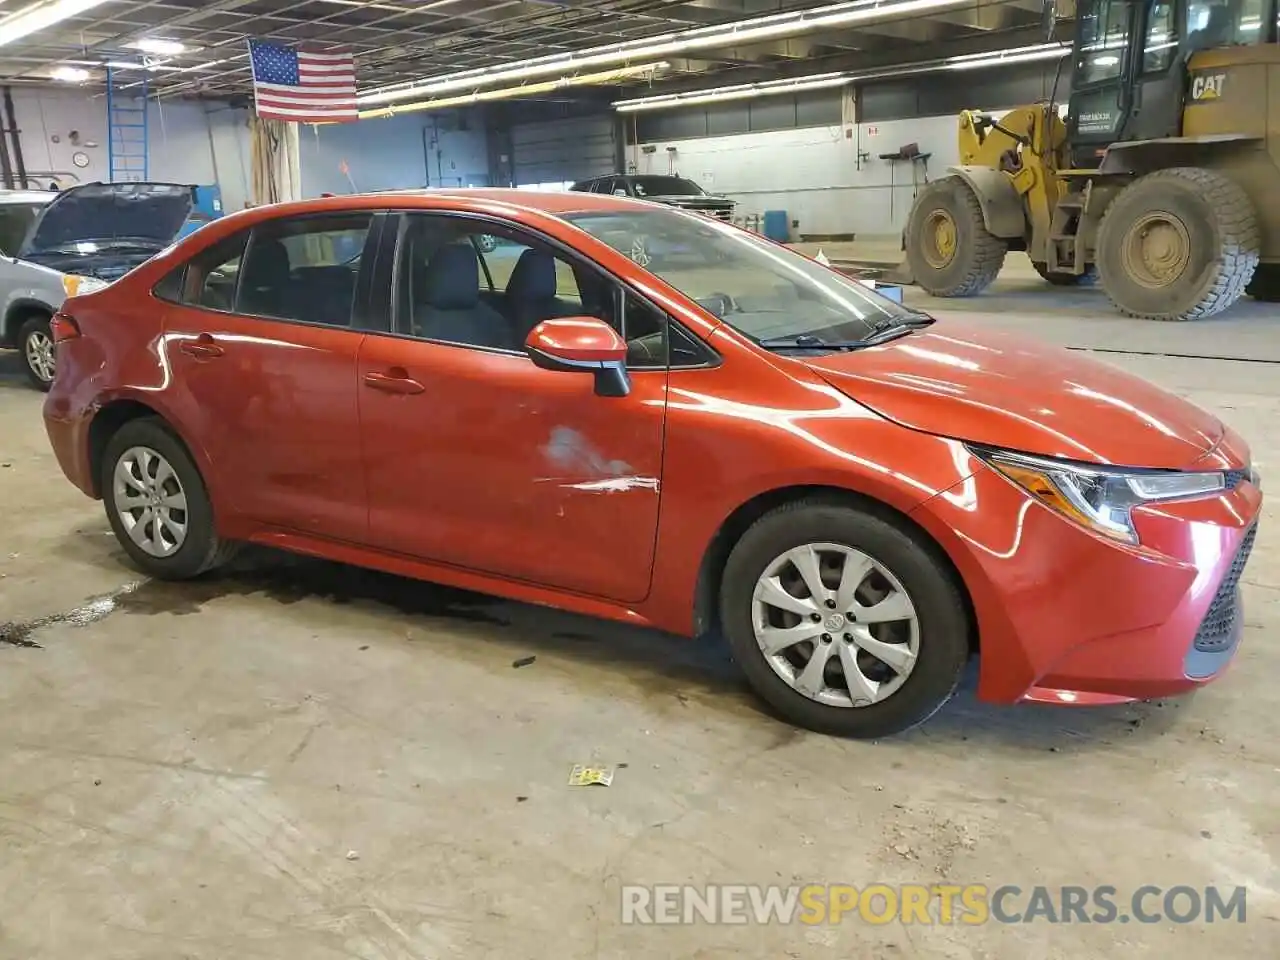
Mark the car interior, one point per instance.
(452, 291)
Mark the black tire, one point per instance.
(943, 621)
(1265, 285)
(202, 550)
(1059, 279)
(977, 256)
(35, 327)
(1222, 241)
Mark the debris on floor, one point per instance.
(352, 855)
(523, 662)
(583, 776)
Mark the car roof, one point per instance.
(513, 198)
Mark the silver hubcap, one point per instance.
(836, 625)
(150, 501)
(40, 354)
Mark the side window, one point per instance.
(481, 285)
(209, 278)
(1162, 39)
(15, 220)
(304, 269)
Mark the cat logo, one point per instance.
(1207, 86)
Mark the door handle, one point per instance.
(202, 348)
(396, 381)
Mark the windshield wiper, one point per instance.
(912, 319)
(806, 341)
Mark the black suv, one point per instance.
(671, 190)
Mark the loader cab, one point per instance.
(1130, 64)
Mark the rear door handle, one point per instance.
(394, 381)
(204, 347)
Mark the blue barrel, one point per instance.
(777, 226)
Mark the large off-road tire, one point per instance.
(1178, 244)
(842, 620)
(1265, 285)
(157, 503)
(1060, 279)
(949, 250)
(35, 342)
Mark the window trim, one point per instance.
(574, 257)
(372, 243)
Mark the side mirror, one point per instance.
(582, 345)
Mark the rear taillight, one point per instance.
(63, 326)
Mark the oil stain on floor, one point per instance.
(661, 662)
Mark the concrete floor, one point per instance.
(298, 760)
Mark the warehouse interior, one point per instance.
(295, 757)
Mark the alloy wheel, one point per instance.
(40, 356)
(836, 625)
(150, 501)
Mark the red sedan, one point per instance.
(637, 413)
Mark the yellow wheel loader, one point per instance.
(1162, 183)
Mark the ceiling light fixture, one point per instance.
(523, 90)
(161, 48)
(701, 38)
(38, 16)
(70, 75)
(745, 91)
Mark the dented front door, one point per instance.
(481, 460)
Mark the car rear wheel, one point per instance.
(35, 340)
(157, 503)
(843, 621)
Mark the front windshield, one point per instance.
(760, 288)
(666, 187)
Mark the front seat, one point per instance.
(264, 278)
(531, 293)
(450, 307)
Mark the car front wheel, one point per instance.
(845, 622)
(35, 340)
(157, 503)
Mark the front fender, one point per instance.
(1002, 207)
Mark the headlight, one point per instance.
(74, 285)
(1099, 498)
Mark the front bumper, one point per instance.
(1065, 616)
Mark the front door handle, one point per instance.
(396, 380)
(204, 347)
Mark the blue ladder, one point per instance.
(126, 128)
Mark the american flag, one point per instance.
(303, 86)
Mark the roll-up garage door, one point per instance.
(563, 150)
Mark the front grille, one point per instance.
(1215, 630)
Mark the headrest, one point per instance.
(534, 276)
(452, 278)
(268, 262)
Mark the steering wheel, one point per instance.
(718, 304)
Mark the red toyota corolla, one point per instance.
(634, 412)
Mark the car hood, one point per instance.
(1004, 391)
(150, 213)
